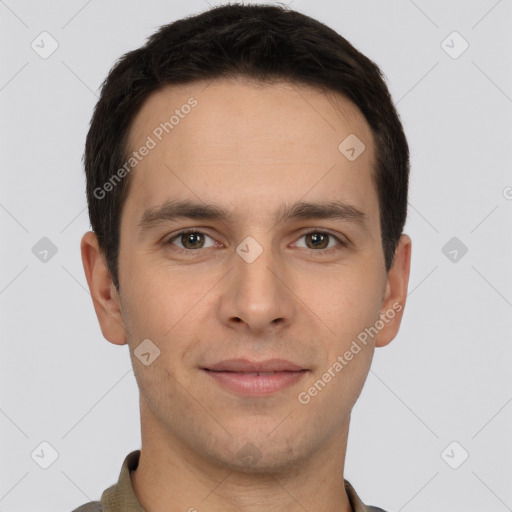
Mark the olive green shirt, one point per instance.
(120, 497)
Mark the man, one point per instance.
(247, 179)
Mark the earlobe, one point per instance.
(396, 293)
(103, 293)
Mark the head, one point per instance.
(286, 140)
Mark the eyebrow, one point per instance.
(174, 210)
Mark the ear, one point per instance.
(104, 295)
(396, 293)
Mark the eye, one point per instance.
(190, 240)
(320, 241)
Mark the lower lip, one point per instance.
(256, 385)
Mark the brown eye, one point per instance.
(321, 242)
(318, 240)
(190, 240)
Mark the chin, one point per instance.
(256, 453)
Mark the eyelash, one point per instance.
(320, 252)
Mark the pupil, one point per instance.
(317, 239)
(190, 238)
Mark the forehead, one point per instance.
(236, 141)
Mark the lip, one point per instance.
(255, 378)
(246, 366)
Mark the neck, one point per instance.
(172, 477)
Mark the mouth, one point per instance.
(255, 378)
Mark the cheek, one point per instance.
(346, 301)
(348, 307)
(154, 297)
(162, 306)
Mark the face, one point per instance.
(281, 270)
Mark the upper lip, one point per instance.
(244, 365)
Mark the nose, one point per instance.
(257, 296)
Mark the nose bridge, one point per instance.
(256, 294)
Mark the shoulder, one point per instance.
(92, 506)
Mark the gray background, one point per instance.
(445, 378)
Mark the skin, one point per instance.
(250, 148)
